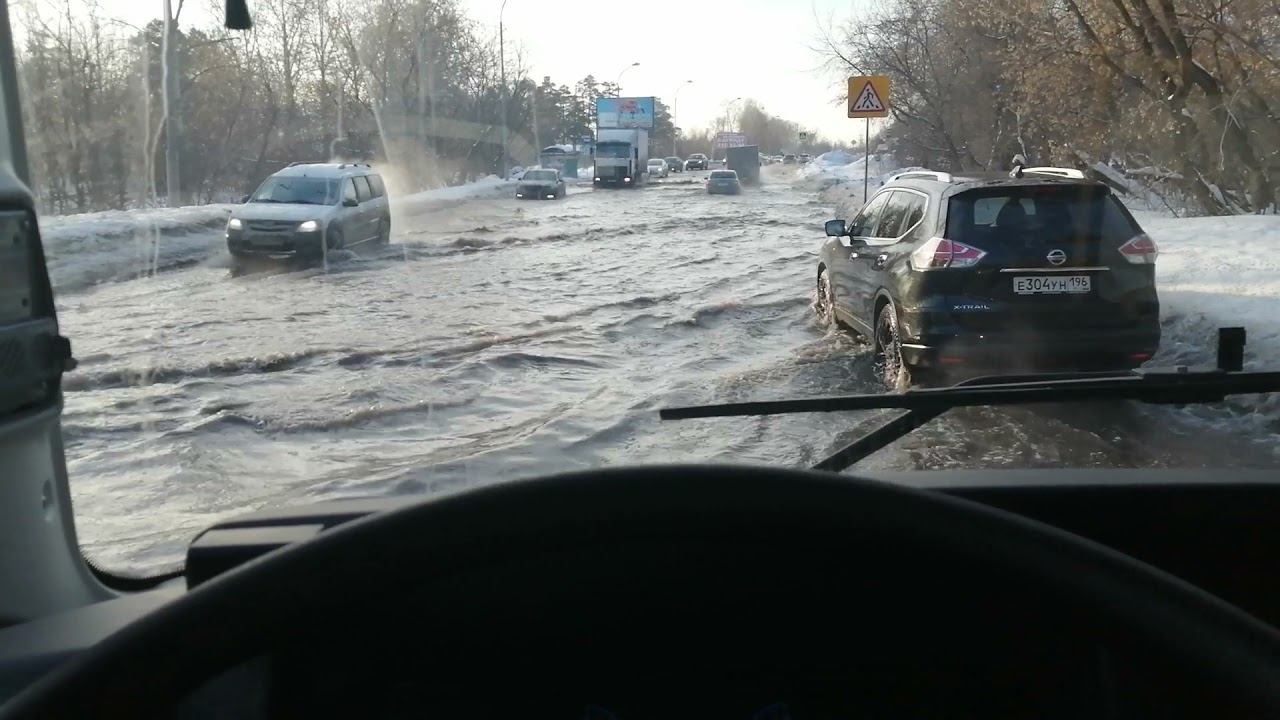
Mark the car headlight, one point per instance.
(309, 226)
(234, 224)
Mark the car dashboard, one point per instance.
(914, 639)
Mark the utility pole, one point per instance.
(675, 116)
(172, 97)
(337, 134)
(502, 69)
(537, 136)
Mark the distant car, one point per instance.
(540, 184)
(723, 182)
(982, 273)
(675, 164)
(804, 158)
(788, 159)
(308, 207)
(697, 161)
(657, 168)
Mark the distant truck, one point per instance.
(745, 161)
(622, 157)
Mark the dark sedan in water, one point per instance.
(723, 182)
(539, 184)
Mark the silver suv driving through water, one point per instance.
(294, 210)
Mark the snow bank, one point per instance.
(91, 247)
(837, 177)
(834, 158)
(490, 186)
(1220, 272)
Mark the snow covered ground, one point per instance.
(837, 177)
(1219, 271)
(415, 203)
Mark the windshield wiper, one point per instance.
(1177, 385)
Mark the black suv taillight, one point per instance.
(941, 253)
(1140, 250)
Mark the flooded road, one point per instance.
(496, 339)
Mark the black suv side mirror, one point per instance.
(836, 228)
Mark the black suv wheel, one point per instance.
(824, 303)
(888, 363)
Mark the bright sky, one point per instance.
(748, 48)
(760, 49)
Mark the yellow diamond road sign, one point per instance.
(869, 96)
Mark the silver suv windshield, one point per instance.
(297, 190)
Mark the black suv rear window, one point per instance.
(1016, 216)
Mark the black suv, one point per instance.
(1034, 270)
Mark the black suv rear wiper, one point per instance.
(1177, 385)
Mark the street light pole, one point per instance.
(502, 69)
(729, 112)
(618, 83)
(736, 125)
(675, 115)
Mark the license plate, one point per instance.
(1052, 284)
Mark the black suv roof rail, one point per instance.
(1071, 173)
(354, 164)
(930, 174)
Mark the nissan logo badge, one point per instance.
(1056, 257)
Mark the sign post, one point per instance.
(868, 98)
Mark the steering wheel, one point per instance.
(283, 594)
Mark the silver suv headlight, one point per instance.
(234, 224)
(309, 226)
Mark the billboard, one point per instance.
(627, 112)
(729, 140)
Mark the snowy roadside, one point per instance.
(1220, 272)
(89, 248)
(421, 202)
(1214, 272)
(837, 178)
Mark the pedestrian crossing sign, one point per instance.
(868, 96)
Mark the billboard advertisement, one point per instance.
(729, 140)
(627, 112)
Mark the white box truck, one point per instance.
(622, 157)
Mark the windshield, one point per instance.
(415, 328)
(613, 150)
(302, 190)
(1043, 215)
